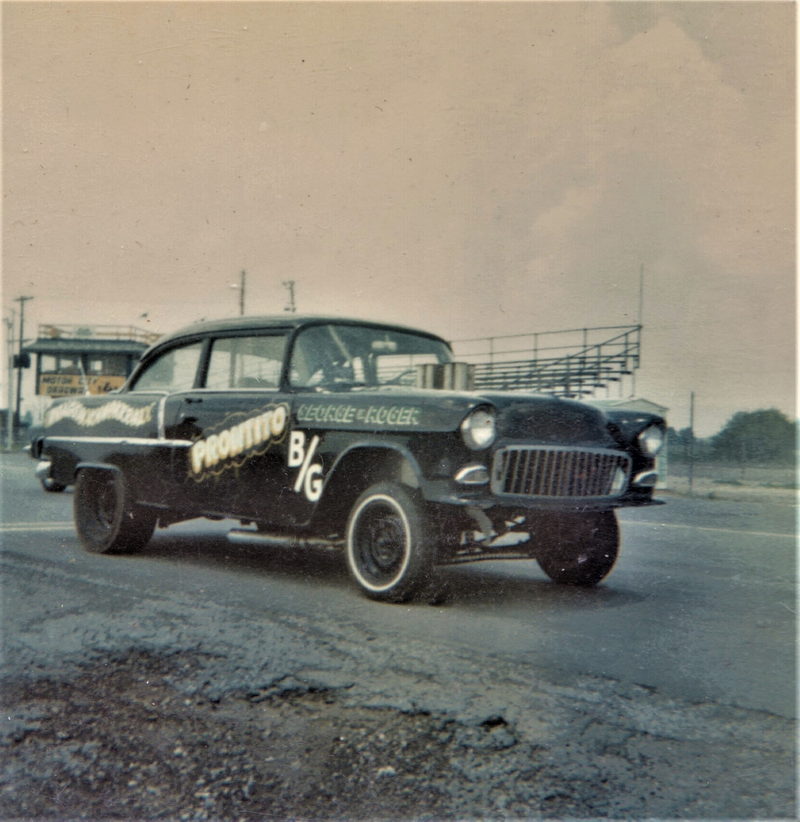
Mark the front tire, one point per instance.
(389, 553)
(106, 518)
(577, 549)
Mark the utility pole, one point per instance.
(641, 295)
(639, 317)
(20, 359)
(241, 285)
(290, 307)
(10, 380)
(691, 444)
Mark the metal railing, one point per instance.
(100, 332)
(574, 362)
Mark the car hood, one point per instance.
(544, 420)
(533, 418)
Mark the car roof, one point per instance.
(286, 321)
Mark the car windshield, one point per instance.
(345, 357)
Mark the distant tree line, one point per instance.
(765, 436)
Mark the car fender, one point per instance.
(395, 456)
(357, 467)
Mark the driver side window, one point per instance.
(320, 358)
(175, 370)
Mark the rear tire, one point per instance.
(389, 552)
(577, 549)
(106, 518)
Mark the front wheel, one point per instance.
(577, 549)
(389, 553)
(106, 518)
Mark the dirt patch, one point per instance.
(122, 741)
(138, 736)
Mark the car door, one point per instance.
(157, 383)
(238, 422)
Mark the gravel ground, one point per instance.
(150, 736)
(119, 703)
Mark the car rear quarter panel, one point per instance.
(122, 431)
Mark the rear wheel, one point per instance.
(389, 553)
(577, 549)
(106, 518)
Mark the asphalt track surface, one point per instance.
(691, 638)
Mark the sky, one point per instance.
(474, 169)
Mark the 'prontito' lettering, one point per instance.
(253, 432)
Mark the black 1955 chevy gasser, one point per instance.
(317, 430)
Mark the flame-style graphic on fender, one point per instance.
(87, 416)
(235, 444)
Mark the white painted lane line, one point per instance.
(21, 527)
(738, 532)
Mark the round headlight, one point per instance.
(478, 428)
(651, 440)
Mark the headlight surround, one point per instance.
(479, 428)
(651, 440)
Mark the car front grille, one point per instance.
(541, 471)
